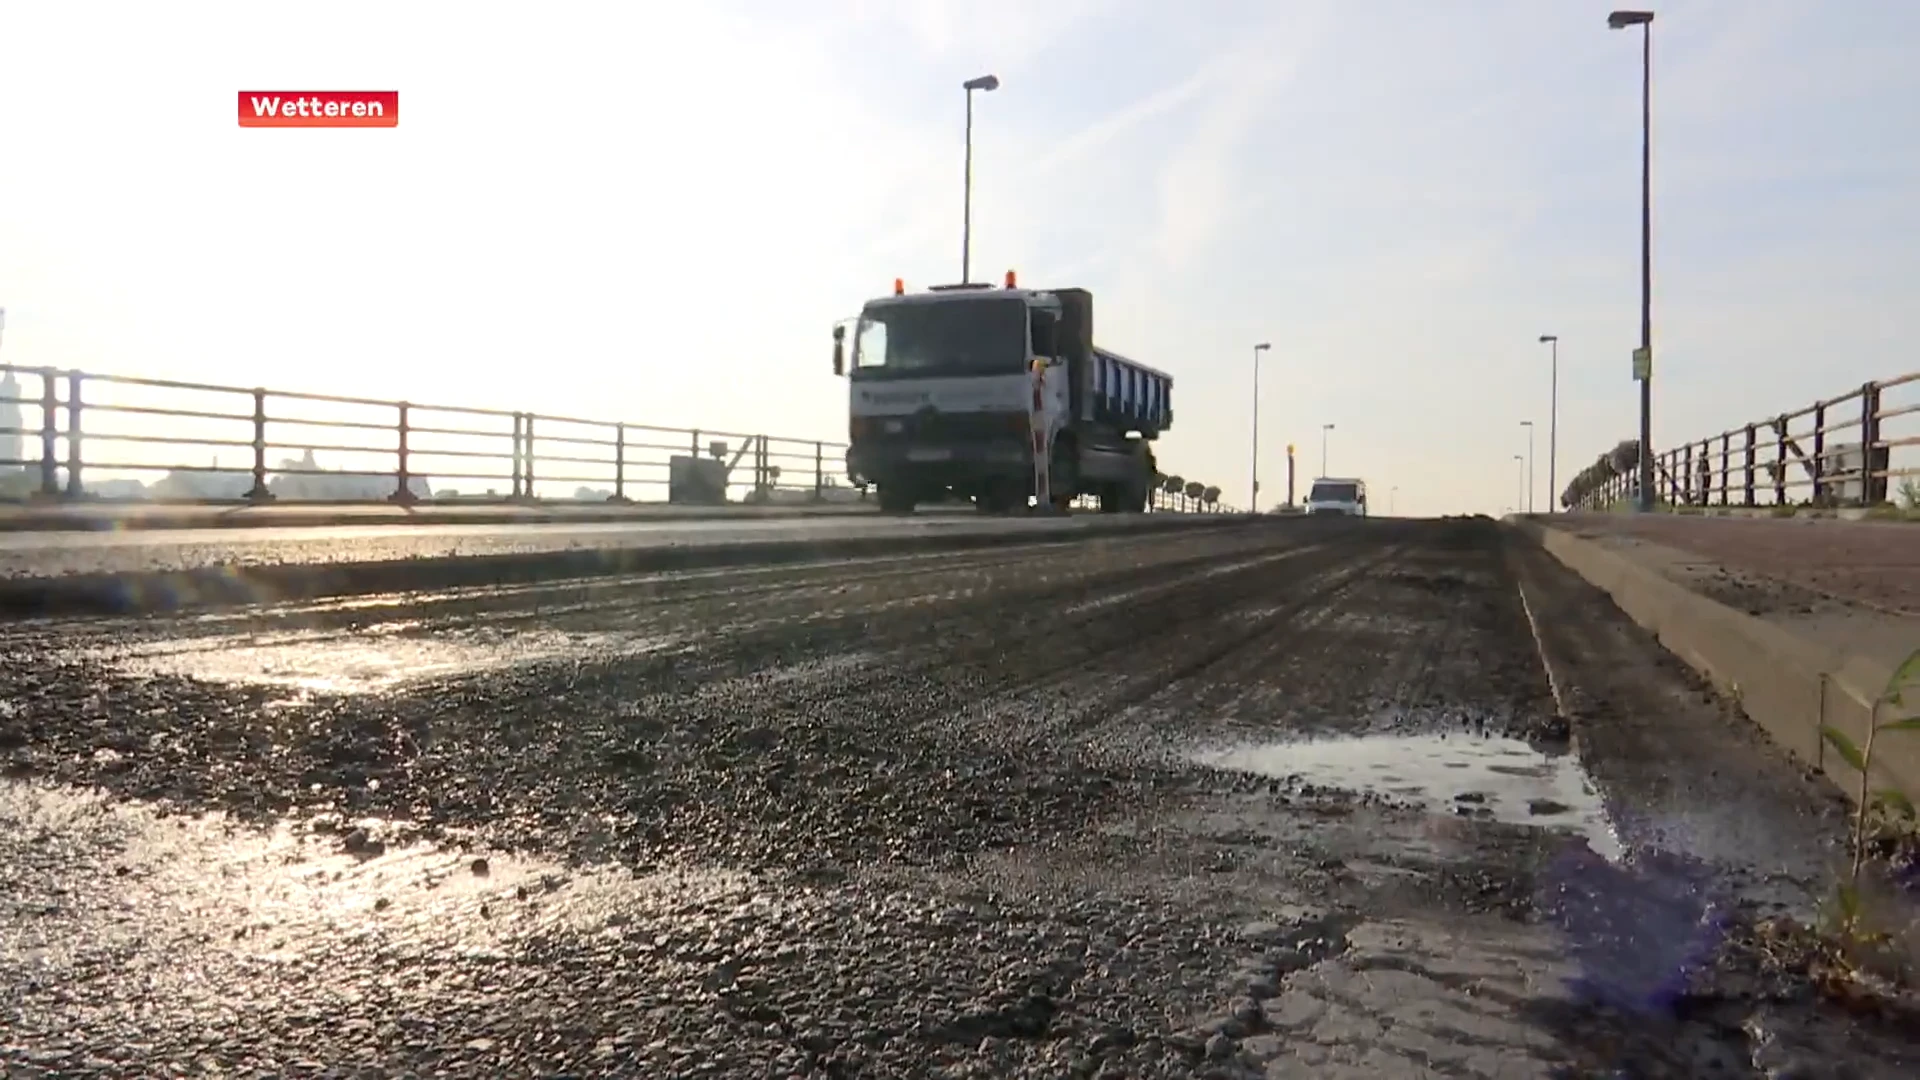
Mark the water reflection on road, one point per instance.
(1463, 773)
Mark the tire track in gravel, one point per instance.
(601, 596)
(600, 726)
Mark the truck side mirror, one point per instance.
(839, 350)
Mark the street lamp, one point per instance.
(1520, 478)
(1528, 424)
(1553, 426)
(1392, 498)
(1324, 428)
(1643, 362)
(1253, 502)
(983, 83)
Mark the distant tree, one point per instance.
(1211, 496)
(1173, 485)
(1195, 489)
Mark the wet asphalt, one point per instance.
(1288, 798)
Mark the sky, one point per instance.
(654, 212)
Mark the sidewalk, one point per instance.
(22, 517)
(1802, 620)
(1870, 563)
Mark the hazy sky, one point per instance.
(655, 211)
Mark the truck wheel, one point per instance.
(897, 500)
(1113, 498)
(1064, 475)
(999, 497)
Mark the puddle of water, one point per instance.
(369, 660)
(297, 890)
(1463, 774)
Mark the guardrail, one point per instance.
(1792, 459)
(379, 450)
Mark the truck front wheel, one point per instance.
(1001, 496)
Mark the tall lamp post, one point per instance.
(1553, 425)
(1643, 360)
(1253, 500)
(1520, 480)
(1324, 428)
(1528, 424)
(983, 83)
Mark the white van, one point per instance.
(1338, 495)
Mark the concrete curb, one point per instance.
(1785, 683)
(234, 586)
(158, 518)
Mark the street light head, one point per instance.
(992, 82)
(1262, 345)
(1326, 427)
(1545, 338)
(1620, 20)
(1526, 423)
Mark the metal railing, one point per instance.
(1792, 459)
(101, 437)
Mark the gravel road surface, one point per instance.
(49, 554)
(1290, 799)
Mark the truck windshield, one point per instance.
(1334, 493)
(943, 337)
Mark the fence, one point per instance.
(101, 436)
(1790, 459)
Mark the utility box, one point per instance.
(1841, 475)
(696, 481)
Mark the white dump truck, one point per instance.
(998, 395)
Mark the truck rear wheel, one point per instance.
(1123, 498)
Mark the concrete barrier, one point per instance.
(1788, 684)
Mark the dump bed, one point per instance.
(1130, 395)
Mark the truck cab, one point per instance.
(1346, 496)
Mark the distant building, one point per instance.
(311, 484)
(119, 488)
(197, 484)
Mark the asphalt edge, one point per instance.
(67, 519)
(212, 587)
(1787, 684)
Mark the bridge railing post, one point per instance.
(403, 471)
(49, 432)
(619, 465)
(260, 492)
(74, 379)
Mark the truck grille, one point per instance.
(938, 427)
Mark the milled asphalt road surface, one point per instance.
(1251, 801)
(50, 554)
